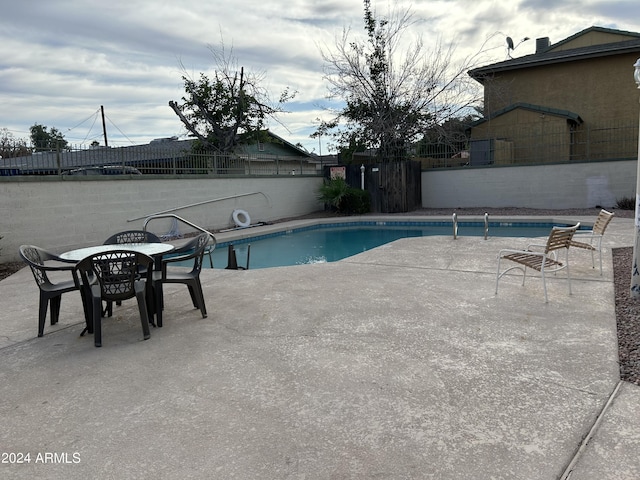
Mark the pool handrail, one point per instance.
(209, 249)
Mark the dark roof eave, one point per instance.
(570, 116)
(549, 58)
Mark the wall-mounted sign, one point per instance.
(338, 172)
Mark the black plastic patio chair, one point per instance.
(41, 262)
(132, 236)
(117, 277)
(193, 250)
(128, 236)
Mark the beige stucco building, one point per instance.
(574, 100)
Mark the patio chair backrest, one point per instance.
(201, 243)
(132, 236)
(602, 222)
(560, 237)
(35, 258)
(116, 272)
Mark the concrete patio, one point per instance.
(396, 363)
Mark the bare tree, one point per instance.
(392, 96)
(220, 112)
(10, 146)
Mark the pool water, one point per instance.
(321, 243)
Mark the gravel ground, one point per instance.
(627, 310)
(627, 315)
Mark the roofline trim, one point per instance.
(571, 116)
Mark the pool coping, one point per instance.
(267, 230)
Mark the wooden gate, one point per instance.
(394, 187)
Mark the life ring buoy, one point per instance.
(241, 218)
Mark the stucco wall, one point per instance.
(583, 185)
(64, 215)
(600, 89)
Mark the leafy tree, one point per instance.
(446, 139)
(12, 147)
(391, 98)
(228, 108)
(47, 139)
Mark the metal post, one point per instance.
(635, 270)
(362, 177)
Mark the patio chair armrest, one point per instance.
(178, 258)
(509, 250)
(585, 233)
(60, 268)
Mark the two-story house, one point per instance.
(575, 100)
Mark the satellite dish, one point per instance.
(509, 43)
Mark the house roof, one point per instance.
(301, 151)
(574, 117)
(551, 55)
(159, 149)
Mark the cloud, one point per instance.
(59, 61)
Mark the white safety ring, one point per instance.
(241, 218)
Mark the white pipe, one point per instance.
(201, 203)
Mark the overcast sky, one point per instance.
(61, 60)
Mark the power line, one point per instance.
(94, 115)
(117, 128)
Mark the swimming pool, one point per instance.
(335, 241)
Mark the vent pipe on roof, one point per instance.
(542, 44)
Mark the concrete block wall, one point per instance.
(578, 185)
(63, 215)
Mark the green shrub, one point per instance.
(344, 199)
(626, 203)
(332, 192)
(356, 202)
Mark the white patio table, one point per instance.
(154, 250)
(151, 249)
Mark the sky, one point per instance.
(60, 61)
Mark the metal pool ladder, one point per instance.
(486, 225)
(454, 219)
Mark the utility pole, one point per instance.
(104, 127)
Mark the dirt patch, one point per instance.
(9, 268)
